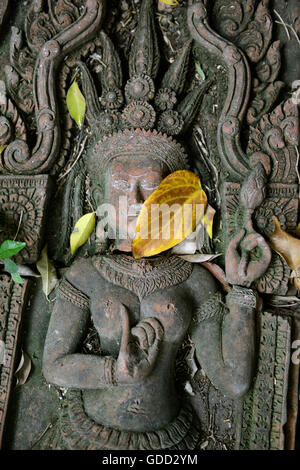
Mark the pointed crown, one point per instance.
(138, 109)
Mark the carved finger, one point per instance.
(149, 330)
(140, 333)
(157, 327)
(125, 329)
(232, 260)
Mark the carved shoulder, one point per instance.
(202, 285)
(84, 276)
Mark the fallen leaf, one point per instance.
(286, 246)
(76, 103)
(26, 271)
(10, 266)
(17, 278)
(186, 247)
(170, 214)
(199, 257)
(298, 231)
(2, 147)
(82, 231)
(47, 271)
(199, 70)
(23, 370)
(208, 220)
(10, 248)
(170, 2)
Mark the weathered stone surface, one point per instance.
(23, 205)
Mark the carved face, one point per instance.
(130, 181)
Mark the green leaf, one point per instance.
(2, 147)
(10, 266)
(10, 248)
(199, 70)
(76, 103)
(47, 271)
(17, 278)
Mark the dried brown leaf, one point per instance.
(23, 370)
(286, 246)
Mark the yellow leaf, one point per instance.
(170, 2)
(298, 231)
(47, 271)
(208, 220)
(286, 245)
(82, 231)
(2, 147)
(76, 103)
(170, 214)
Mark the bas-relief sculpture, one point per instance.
(141, 129)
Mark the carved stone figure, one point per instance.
(142, 310)
(144, 120)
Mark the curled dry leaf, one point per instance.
(288, 247)
(47, 271)
(26, 271)
(199, 257)
(170, 214)
(82, 231)
(76, 103)
(23, 370)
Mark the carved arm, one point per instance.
(62, 365)
(225, 345)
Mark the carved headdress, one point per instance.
(140, 118)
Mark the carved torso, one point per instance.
(163, 288)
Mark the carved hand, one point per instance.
(247, 258)
(139, 349)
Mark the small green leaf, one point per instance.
(76, 103)
(10, 266)
(10, 248)
(17, 278)
(199, 70)
(2, 147)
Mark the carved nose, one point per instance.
(136, 195)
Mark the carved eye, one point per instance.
(122, 185)
(149, 185)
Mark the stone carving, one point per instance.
(23, 205)
(12, 304)
(146, 313)
(263, 419)
(3, 9)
